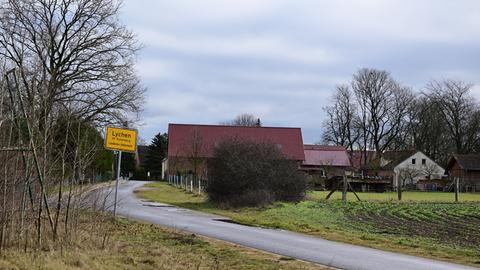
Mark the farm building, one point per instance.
(325, 160)
(191, 146)
(408, 167)
(467, 169)
(359, 159)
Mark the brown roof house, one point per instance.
(467, 169)
(406, 167)
(191, 146)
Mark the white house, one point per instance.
(410, 166)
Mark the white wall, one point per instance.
(164, 167)
(438, 172)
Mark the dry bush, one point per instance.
(248, 173)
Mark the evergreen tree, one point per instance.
(157, 151)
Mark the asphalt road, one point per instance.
(286, 243)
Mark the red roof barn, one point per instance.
(182, 137)
(326, 155)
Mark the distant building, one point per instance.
(360, 159)
(467, 169)
(325, 160)
(408, 166)
(191, 146)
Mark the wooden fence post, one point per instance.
(457, 187)
(399, 188)
(344, 192)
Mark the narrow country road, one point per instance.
(286, 243)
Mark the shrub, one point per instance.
(139, 174)
(247, 173)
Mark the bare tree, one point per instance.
(244, 119)
(384, 104)
(339, 127)
(430, 169)
(69, 65)
(196, 155)
(72, 52)
(459, 111)
(427, 129)
(373, 112)
(409, 174)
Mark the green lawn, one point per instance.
(433, 229)
(411, 196)
(137, 246)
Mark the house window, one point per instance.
(414, 161)
(424, 161)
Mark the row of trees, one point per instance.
(66, 71)
(376, 112)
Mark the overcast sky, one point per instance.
(208, 61)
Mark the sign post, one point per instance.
(120, 139)
(119, 164)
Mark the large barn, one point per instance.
(190, 146)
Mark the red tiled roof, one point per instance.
(326, 155)
(324, 147)
(357, 158)
(181, 136)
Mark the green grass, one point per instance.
(435, 229)
(412, 196)
(135, 245)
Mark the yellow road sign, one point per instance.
(121, 139)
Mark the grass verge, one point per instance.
(445, 231)
(134, 245)
(407, 196)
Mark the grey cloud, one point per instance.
(206, 61)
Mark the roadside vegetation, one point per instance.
(68, 70)
(437, 229)
(124, 244)
(249, 173)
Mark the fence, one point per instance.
(188, 183)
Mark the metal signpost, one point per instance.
(120, 139)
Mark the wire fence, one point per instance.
(189, 183)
